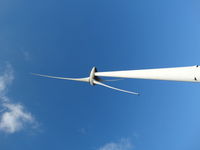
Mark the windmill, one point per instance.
(185, 74)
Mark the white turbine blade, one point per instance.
(63, 78)
(190, 74)
(99, 83)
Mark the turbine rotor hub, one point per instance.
(92, 76)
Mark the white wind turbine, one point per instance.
(187, 74)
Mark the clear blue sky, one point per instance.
(69, 37)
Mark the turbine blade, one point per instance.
(63, 78)
(105, 85)
(189, 74)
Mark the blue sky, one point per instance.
(67, 38)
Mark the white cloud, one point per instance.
(13, 117)
(123, 144)
(5, 79)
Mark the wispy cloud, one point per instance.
(13, 117)
(123, 144)
(82, 131)
(6, 78)
(27, 56)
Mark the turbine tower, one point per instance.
(186, 74)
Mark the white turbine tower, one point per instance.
(187, 74)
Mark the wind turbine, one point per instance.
(186, 74)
